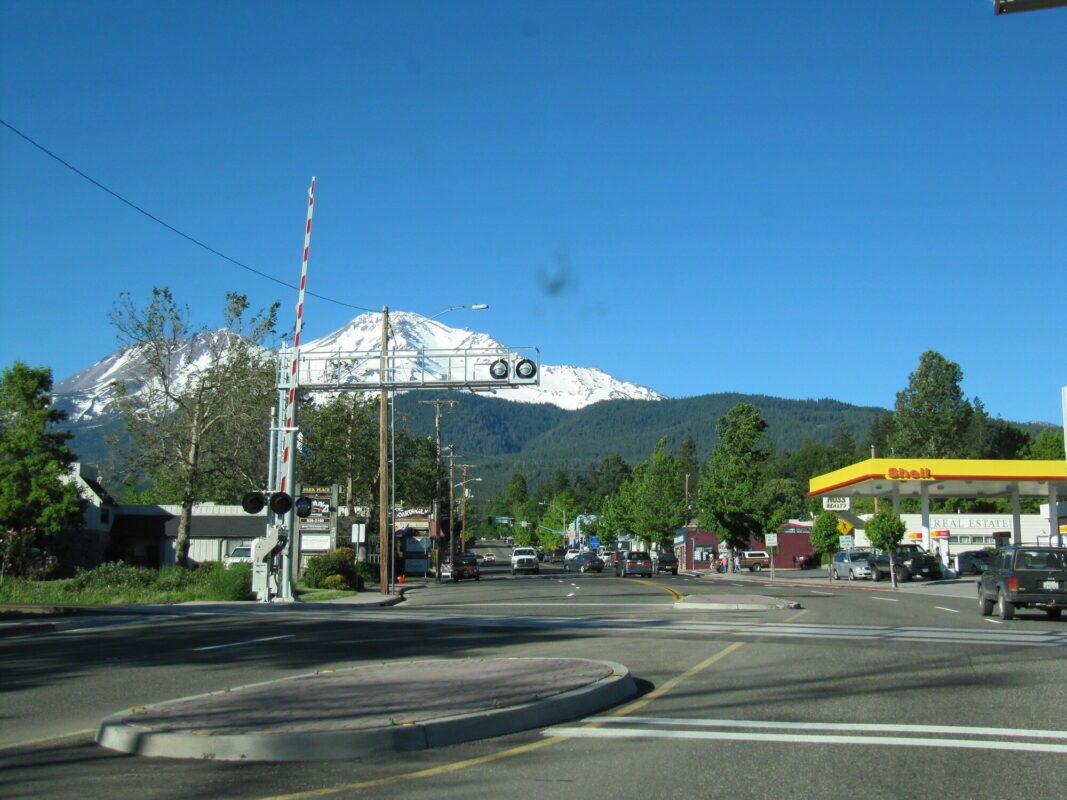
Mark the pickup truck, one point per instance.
(910, 561)
(524, 559)
(1025, 577)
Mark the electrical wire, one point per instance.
(170, 227)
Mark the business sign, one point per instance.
(939, 534)
(837, 503)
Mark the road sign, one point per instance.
(845, 542)
(594, 542)
(771, 540)
(837, 503)
(844, 527)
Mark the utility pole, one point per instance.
(463, 501)
(383, 463)
(437, 481)
(451, 501)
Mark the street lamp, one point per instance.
(475, 307)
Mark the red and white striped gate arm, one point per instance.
(290, 406)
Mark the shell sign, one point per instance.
(922, 474)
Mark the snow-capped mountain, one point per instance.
(86, 395)
(564, 386)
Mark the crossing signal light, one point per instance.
(280, 503)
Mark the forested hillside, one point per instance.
(503, 437)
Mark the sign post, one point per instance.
(771, 540)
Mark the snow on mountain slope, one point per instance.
(86, 394)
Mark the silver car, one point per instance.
(633, 562)
(851, 563)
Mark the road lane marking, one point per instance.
(677, 595)
(816, 591)
(661, 690)
(571, 594)
(246, 641)
(794, 738)
(887, 599)
(942, 608)
(868, 727)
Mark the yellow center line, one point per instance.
(514, 751)
(677, 595)
(43, 739)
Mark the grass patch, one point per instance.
(123, 584)
(310, 595)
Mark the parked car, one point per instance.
(664, 561)
(584, 562)
(755, 560)
(851, 563)
(633, 562)
(524, 559)
(239, 555)
(464, 567)
(910, 560)
(973, 561)
(1025, 577)
(806, 561)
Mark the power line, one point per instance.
(168, 226)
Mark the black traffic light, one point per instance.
(280, 503)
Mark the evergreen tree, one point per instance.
(689, 467)
(731, 482)
(35, 504)
(660, 507)
(932, 415)
(1046, 446)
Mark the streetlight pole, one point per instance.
(383, 463)
(463, 499)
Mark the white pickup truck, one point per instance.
(524, 559)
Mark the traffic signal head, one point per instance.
(303, 506)
(253, 502)
(280, 503)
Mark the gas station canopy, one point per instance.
(943, 477)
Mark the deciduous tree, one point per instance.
(198, 404)
(34, 503)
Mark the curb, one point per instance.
(120, 731)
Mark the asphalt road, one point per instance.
(861, 692)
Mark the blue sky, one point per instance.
(794, 199)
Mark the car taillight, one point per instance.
(1013, 584)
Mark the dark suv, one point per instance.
(633, 562)
(664, 561)
(1024, 577)
(909, 560)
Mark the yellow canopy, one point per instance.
(943, 477)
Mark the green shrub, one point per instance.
(366, 573)
(113, 576)
(218, 582)
(335, 582)
(341, 561)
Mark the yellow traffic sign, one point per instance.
(844, 527)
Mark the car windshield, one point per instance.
(241, 552)
(859, 556)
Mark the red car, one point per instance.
(466, 566)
